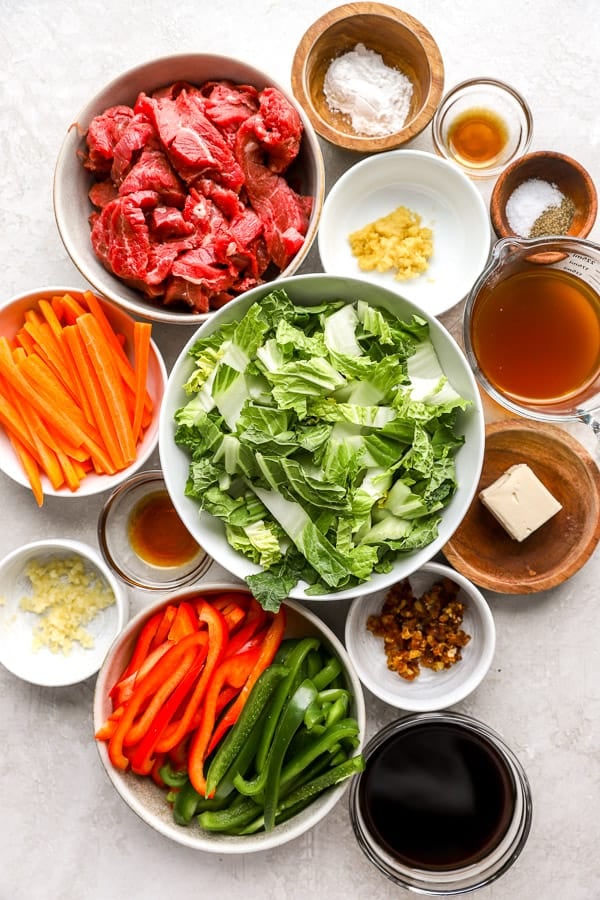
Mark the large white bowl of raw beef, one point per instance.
(185, 182)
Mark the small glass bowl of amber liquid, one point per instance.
(144, 541)
(482, 125)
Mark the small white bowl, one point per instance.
(431, 690)
(11, 319)
(43, 666)
(445, 199)
(148, 800)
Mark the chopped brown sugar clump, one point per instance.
(421, 631)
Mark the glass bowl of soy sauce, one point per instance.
(144, 541)
(443, 806)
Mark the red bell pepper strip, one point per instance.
(155, 772)
(235, 672)
(123, 689)
(177, 755)
(142, 758)
(110, 725)
(217, 641)
(164, 625)
(268, 649)
(164, 678)
(142, 645)
(185, 622)
(255, 619)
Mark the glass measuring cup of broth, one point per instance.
(532, 328)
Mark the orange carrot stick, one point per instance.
(45, 449)
(96, 397)
(30, 467)
(71, 309)
(102, 358)
(125, 368)
(25, 341)
(46, 346)
(142, 332)
(37, 389)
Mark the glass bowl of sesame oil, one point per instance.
(482, 125)
(532, 328)
(143, 539)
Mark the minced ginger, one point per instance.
(396, 241)
(66, 595)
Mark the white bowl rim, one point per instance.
(109, 285)
(400, 700)
(48, 545)
(226, 844)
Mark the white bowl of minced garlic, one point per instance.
(60, 610)
(409, 221)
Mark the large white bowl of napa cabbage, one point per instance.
(321, 437)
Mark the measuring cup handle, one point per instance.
(589, 420)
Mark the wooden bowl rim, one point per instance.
(357, 142)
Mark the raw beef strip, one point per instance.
(278, 128)
(102, 192)
(167, 222)
(229, 104)
(120, 235)
(153, 172)
(195, 146)
(284, 213)
(139, 134)
(104, 133)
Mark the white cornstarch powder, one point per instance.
(374, 96)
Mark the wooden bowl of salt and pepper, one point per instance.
(541, 194)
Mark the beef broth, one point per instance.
(437, 796)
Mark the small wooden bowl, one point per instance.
(571, 179)
(483, 551)
(403, 42)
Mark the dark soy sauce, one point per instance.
(437, 796)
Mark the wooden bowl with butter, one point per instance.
(484, 551)
(405, 49)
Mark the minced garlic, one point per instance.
(67, 594)
(395, 241)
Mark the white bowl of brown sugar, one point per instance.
(425, 643)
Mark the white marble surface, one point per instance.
(65, 834)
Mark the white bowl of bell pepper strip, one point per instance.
(225, 727)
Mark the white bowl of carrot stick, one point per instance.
(81, 383)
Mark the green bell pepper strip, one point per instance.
(285, 648)
(171, 777)
(321, 744)
(303, 796)
(238, 815)
(186, 804)
(237, 736)
(282, 695)
(314, 664)
(225, 792)
(338, 710)
(330, 670)
(289, 722)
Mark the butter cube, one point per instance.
(519, 501)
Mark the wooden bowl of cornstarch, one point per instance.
(368, 76)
